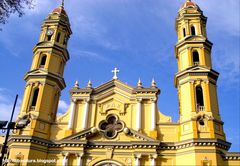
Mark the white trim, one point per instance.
(79, 161)
(85, 114)
(72, 113)
(153, 115)
(138, 114)
(65, 160)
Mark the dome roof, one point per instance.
(189, 4)
(59, 10)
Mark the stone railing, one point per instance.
(196, 63)
(200, 108)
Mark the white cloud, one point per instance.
(89, 55)
(62, 106)
(6, 105)
(223, 15)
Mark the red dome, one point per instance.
(59, 10)
(188, 4)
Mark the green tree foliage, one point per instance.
(8, 7)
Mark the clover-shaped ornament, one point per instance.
(111, 126)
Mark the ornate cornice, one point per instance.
(154, 144)
(39, 73)
(195, 142)
(231, 156)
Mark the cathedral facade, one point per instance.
(117, 124)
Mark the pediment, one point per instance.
(109, 88)
(92, 133)
(196, 38)
(113, 84)
(198, 69)
(81, 135)
(38, 72)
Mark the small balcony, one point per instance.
(32, 108)
(196, 63)
(200, 108)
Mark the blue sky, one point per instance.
(136, 36)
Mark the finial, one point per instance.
(153, 83)
(89, 85)
(76, 85)
(139, 84)
(188, 0)
(115, 71)
(62, 5)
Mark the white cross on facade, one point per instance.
(115, 71)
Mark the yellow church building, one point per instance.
(115, 124)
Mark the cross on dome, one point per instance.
(115, 71)
(62, 3)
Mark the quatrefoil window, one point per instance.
(111, 126)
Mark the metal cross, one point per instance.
(62, 3)
(115, 71)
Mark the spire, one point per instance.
(139, 84)
(153, 84)
(89, 85)
(62, 5)
(76, 85)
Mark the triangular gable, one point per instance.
(198, 69)
(85, 134)
(113, 83)
(82, 134)
(38, 72)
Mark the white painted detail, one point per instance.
(153, 162)
(65, 160)
(72, 113)
(79, 161)
(138, 114)
(153, 159)
(85, 115)
(137, 162)
(137, 159)
(115, 71)
(153, 115)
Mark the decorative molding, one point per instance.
(144, 144)
(231, 156)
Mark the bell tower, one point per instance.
(195, 80)
(45, 81)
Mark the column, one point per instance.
(206, 96)
(65, 159)
(72, 113)
(153, 159)
(79, 159)
(153, 114)
(85, 114)
(138, 114)
(193, 106)
(137, 159)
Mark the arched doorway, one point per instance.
(108, 163)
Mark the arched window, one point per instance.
(58, 36)
(43, 60)
(195, 58)
(199, 95)
(193, 30)
(184, 32)
(35, 97)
